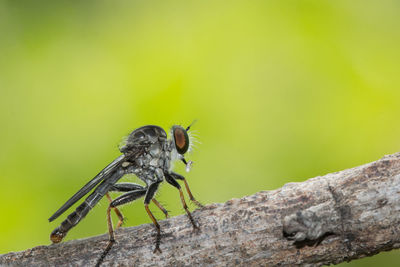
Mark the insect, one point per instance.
(147, 153)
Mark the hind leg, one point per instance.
(125, 198)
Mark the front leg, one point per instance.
(170, 179)
(180, 177)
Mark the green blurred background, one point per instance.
(282, 90)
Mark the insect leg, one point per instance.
(180, 177)
(158, 204)
(126, 187)
(117, 212)
(149, 196)
(125, 198)
(122, 187)
(171, 180)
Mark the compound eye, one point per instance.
(181, 139)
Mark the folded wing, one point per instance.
(103, 175)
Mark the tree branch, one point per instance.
(329, 219)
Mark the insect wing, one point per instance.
(103, 175)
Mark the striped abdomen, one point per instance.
(75, 217)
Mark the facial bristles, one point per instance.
(192, 141)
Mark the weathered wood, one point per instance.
(329, 219)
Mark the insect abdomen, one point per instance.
(75, 217)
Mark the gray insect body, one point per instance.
(156, 158)
(147, 153)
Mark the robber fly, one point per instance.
(148, 154)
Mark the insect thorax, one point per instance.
(151, 165)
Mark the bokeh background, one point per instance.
(283, 91)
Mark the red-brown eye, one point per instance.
(181, 139)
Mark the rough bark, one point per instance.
(328, 219)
